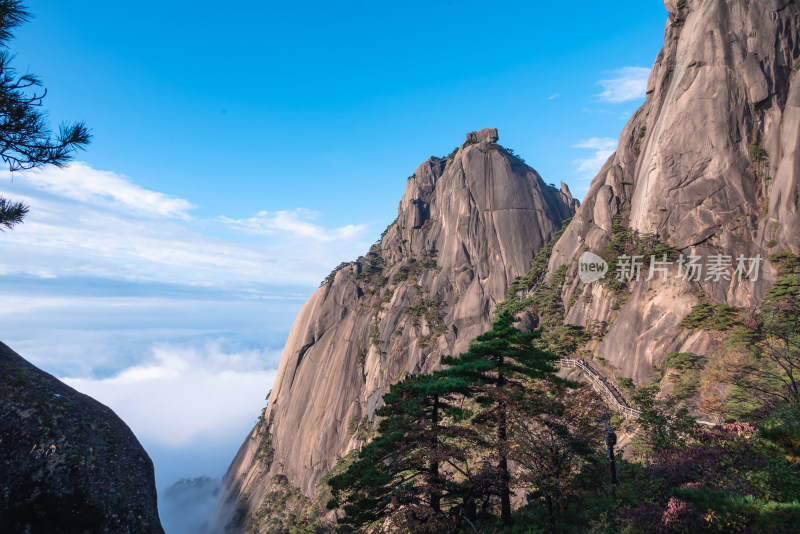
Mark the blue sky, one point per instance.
(241, 150)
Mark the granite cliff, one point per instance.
(467, 225)
(709, 165)
(68, 464)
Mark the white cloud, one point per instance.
(89, 223)
(135, 347)
(628, 83)
(265, 223)
(63, 328)
(553, 96)
(78, 181)
(601, 143)
(603, 147)
(184, 393)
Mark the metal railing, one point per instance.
(612, 395)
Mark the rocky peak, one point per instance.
(478, 187)
(467, 225)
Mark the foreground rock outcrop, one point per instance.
(467, 225)
(68, 464)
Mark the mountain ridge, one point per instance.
(708, 166)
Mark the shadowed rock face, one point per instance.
(68, 464)
(467, 225)
(710, 164)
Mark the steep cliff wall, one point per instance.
(467, 225)
(68, 464)
(709, 165)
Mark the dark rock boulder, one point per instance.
(68, 464)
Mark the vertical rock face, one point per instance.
(67, 463)
(710, 164)
(467, 225)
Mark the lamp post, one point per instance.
(611, 440)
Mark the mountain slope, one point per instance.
(467, 225)
(68, 463)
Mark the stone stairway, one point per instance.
(606, 388)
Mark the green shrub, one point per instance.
(706, 316)
(329, 279)
(625, 383)
(565, 339)
(731, 512)
(681, 360)
(574, 298)
(787, 262)
(757, 154)
(616, 420)
(371, 271)
(401, 275)
(375, 333)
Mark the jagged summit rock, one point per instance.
(485, 135)
(467, 225)
(67, 463)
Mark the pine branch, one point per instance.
(11, 213)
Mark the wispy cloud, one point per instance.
(553, 96)
(296, 222)
(155, 312)
(89, 223)
(603, 147)
(81, 182)
(628, 83)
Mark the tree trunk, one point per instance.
(505, 489)
(470, 509)
(502, 443)
(433, 468)
(550, 513)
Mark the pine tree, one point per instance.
(26, 140)
(496, 368)
(399, 478)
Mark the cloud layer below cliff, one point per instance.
(175, 321)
